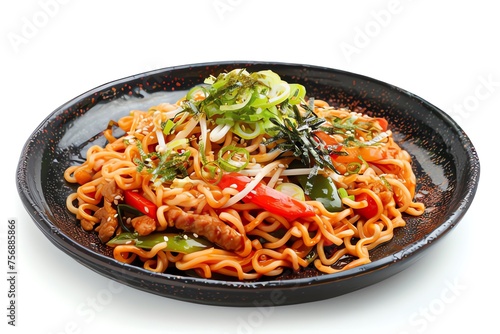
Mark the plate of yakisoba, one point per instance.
(234, 182)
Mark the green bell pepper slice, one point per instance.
(322, 189)
(180, 243)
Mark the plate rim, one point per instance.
(414, 250)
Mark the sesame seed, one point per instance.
(165, 238)
(195, 235)
(146, 209)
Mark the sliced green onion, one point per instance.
(343, 193)
(292, 190)
(386, 183)
(243, 133)
(279, 92)
(196, 90)
(177, 143)
(211, 172)
(229, 164)
(247, 96)
(227, 120)
(353, 167)
(202, 154)
(267, 77)
(169, 125)
(297, 93)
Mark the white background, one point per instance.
(446, 52)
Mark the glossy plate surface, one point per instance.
(445, 162)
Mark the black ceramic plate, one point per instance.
(445, 163)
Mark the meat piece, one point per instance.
(144, 225)
(210, 227)
(107, 214)
(109, 222)
(111, 192)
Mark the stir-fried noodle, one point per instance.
(245, 177)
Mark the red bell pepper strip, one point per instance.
(141, 203)
(268, 198)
